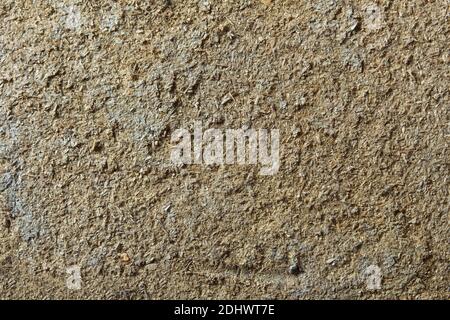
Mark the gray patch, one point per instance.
(6, 181)
(28, 227)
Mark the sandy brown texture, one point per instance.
(90, 92)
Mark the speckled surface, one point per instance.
(90, 93)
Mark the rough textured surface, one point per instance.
(90, 92)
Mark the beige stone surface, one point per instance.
(90, 92)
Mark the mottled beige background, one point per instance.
(90, 92)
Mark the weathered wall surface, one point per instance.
(90, 92)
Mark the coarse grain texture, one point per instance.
(90, 92)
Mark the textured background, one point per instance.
(90, 92)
